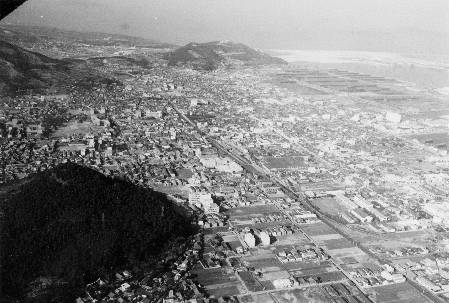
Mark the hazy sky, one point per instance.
(288, 24)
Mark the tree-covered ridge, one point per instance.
(212, 55)
(22, 70)
(75, 224)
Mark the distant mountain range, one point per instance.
(29, 35)
(212, 55)
(21, 69)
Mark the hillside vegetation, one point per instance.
(21, 70)
(212, 55)
(73, 224)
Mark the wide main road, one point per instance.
(299, 197)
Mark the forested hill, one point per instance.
(74, 224)
(212, 55)
(21, 70)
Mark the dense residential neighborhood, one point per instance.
(304, 183)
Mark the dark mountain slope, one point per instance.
(212, 55)
(73, 224)
(21, 69)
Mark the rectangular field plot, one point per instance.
(263, 262)
(214, 230)
(289, 240)
(220, 290)
(399, 293)
(327, 237)
(310, 294)
(434, 139)
(342, 253)
(271, 274)
(338, 243)
(317, 229)
(212, 276)
(261, 298)
(284, 162)
(252, 210)
(333, 276)
(313, 269)
(338, 292)
(230, 237)
(245, 223)
(349, 260)
(251, 282)
(294, 86)
(329, 205)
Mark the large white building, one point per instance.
(212, 209)
(153, 114)
(439, 212)
(193, 102)
(220, 164)
(264, 238)
(198, 196)
(393, 117)
(282, 283)
(249, 240)
(362, 215)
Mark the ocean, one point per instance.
(421, 70)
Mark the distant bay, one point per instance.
(422, 70)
